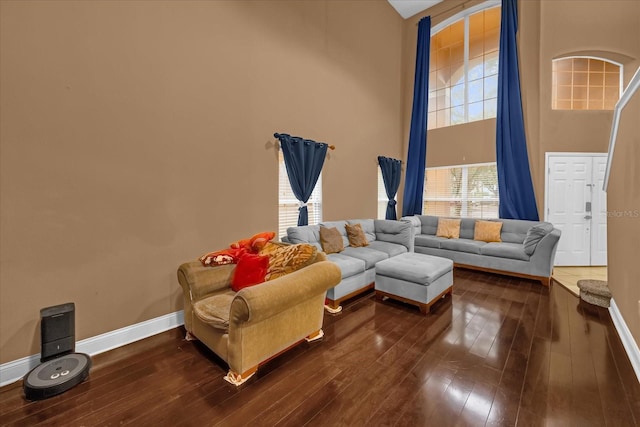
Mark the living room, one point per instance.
(139, 135)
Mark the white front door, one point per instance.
(576, 205)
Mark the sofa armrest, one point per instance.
(543, 257)
(198, 281)
(257, 303)
(398, 232)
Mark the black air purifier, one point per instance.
(61, 367)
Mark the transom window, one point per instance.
(463, 70)
(288, 204)
(462, 191)
(585, 83)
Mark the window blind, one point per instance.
(462, 191)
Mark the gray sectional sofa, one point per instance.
(527, 249)
(385, 239)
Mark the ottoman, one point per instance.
(414, 278)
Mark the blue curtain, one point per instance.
(303, 159)
(517, 199)
(416, 155)
(390, 169)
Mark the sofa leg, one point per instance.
(332, 306)
(190, 337)
(546, 282)
(239, 379)
(317, 335)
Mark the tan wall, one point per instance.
(547, 30)
(609, 29)
(138, 135)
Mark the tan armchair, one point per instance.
(251, 326)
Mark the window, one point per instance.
(383, 200)
(584, 83)
(462, 191)
(288, 204)
(463, 70)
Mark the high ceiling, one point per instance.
(408, 8)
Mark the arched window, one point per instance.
(585, 83)
(463, 74)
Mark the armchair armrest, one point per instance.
(198, 281)
(257, 303)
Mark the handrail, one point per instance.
(630, 90)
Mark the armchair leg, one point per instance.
(315, 336)
(332, 307)
(239, 379)
(190, 337)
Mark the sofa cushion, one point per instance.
(285, 259)
(534, 235)
(467, 227)
(515, 230)
(393, 231)
(505, 250)
(367, 226)
(349, 266)
(391, 249)
(429, 224)
(487, 231)
(331, 240)
(356, 236)
(428, 241)
(368, 255)
(463, 245)
(448, 228)
(305, 234)
(214, 310)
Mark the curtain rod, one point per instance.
(331, 147)
(462, 6)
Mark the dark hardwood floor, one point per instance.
(501, 352)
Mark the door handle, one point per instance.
(587, 217)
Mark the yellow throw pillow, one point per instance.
(449, 228)
(487, 231)
(331, 240)
(289, 258)
(356, 236)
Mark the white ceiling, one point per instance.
(408, 8)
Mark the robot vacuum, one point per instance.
(56, 376)
(61, 367)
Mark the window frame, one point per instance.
(463, 15)
(598, 58)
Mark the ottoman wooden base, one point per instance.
(424, 308)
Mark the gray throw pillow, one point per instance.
(534, 235)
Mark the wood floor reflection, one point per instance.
(502, 351)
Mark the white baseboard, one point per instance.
(17, 369)
(628, 342)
